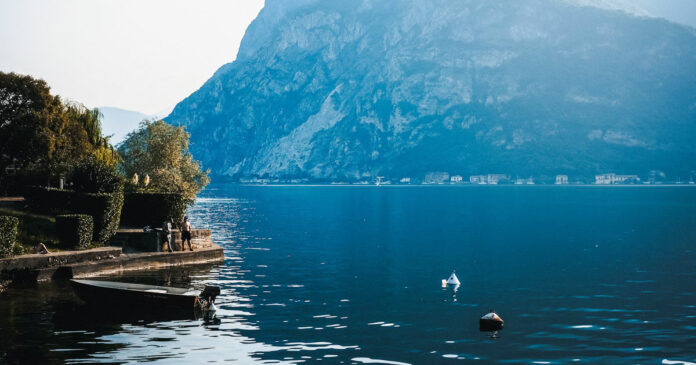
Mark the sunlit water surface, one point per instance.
(343, 274)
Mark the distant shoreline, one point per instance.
(459, 185)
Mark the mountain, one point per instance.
(678, 11)
(349, 90)
(117, 122)
(629, 6)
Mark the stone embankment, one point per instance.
(138, 251)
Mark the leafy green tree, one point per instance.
(90, 120)
(41, 135)
(94, 176)
(28, 114)
(160, 151)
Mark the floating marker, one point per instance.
(453, 280)
(491, 322)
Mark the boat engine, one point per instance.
(206, 299)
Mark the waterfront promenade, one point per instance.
(33, 268)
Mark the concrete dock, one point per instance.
(29, 269)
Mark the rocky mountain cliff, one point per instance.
(348, 90)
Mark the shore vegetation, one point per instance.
(55, 155)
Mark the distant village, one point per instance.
(499, 179)
(444, 178)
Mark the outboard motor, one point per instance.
(206, 299)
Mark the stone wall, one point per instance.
(138, 240)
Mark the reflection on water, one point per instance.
(353, 275)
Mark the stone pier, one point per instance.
(138, 251)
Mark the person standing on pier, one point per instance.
(186, 234)
(167, 228)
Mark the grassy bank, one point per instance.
(33, 228)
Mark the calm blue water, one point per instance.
(340, 274)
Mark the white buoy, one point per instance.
(453, 280)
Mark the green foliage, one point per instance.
(9, 228)
(160, 151)
(93, 176)
(74, 230)
(33, 228)
(105, 208)
(17, 184)
(151, 209)
(90, 120)
(27, 110)
(48, 200)
(43, 135)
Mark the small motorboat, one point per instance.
(491, 322)
(149, 296)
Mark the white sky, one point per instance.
(142, 55)
(147, 55)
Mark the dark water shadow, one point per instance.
(47, 323)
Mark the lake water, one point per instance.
(350, 274)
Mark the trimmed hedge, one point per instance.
(151, 209)
(93, 176)
(9, 228)
(74, 230)
(104, 208)
(48, 200)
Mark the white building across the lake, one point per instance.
(436, 177)
(405, 180)
(494, 179)
(610, 179)
(478, 179)
(456, 179)
(561, 179)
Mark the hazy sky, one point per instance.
(142, 55)
(147, 55)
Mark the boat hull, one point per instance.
(111, 294)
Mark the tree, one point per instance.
(28, 114)
(94, 176)
(41, 135)
(90, 121)
(160, 151)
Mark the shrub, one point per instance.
(14, 184)
(9, 227)
(105, 210)
(93, 176)
(74, 230)
(151, 209)
(48, 200)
